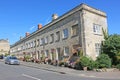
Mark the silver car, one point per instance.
(12, 60)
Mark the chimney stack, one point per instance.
(21, 37)
(39, 26)
(54, 16)
(27, 34)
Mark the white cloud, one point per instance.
(48, 20)
(32, 28)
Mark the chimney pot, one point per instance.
(54, 16)
(27, 34)
(39, 26)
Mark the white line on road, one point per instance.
(28, 76)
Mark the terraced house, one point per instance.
(4, 47)
(80, 29)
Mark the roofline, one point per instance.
(80, 7)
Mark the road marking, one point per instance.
(28, 76)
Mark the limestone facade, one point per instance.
(4, 47)
(78, 29)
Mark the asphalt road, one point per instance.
(19, 72)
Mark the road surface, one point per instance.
(19, 72)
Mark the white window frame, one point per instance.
(46, 53)
(42, 41)
(97, 28)
(28, 45)
(31, 44)
(65, 33)
(72, 30)
(46, 40)
(97, 48)
(66, 51)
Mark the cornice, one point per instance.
(72, 11)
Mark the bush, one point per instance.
(118, 58)
(103, 61)
(61, 63)
(27, 58)
(84, 61)
(88, 62)
(118, 66)
(93, 65)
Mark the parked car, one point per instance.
(1, 57)
(12, 60)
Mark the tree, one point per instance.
(105, 33)
(111, 46)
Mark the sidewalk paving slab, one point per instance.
(65, 70)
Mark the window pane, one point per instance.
(96, 28)
(74, 30)
(65, 33)
(46, 40)
(66, 51)
(52, 38)
(42, 41)
(58, 36)
(97, 48)
(37, 42)
(46, 53)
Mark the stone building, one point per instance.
(4, 47)
(80, 29)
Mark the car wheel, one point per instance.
(9, 63)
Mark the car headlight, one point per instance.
(11, 61)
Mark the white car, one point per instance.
(12, 60)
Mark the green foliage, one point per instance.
(80, 53)
(1, 54)
(118, 58)
(27, 58)
(93, 65)
(118, 66)
(61, 63)
(88, 62)
(85, 61)
(103, 61)
(105, 34)
(111, 47)
(7, 54)
(12, 55)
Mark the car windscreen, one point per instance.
(13, 58)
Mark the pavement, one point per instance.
(65, 70)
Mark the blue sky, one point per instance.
(20, 16)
